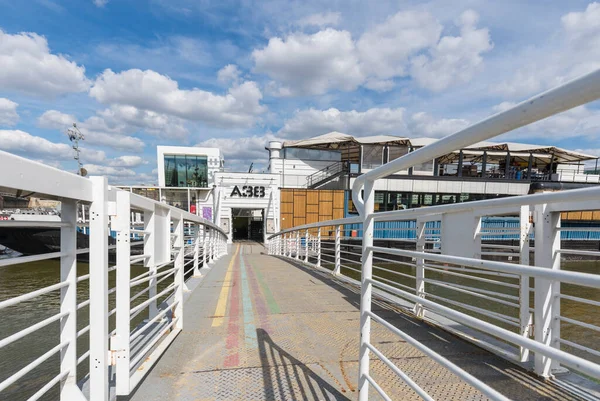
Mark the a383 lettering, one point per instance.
(248, 191)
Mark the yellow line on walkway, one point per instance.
(219, 316)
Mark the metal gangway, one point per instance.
(215, 320)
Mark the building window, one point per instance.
(395, 152)
(312, 154)
(372, 156)
(186, 171)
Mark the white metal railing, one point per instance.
(446, 274)
(129, 325)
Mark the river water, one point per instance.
(20, 279)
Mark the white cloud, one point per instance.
(574, 51)
(8, 112)
(94, 169)
(321, 19)
(240, 152)
(229, 73)
(577, 122)
(423, 124)
(35, 147)
(149, 90)
(385, 50)
(95, 129)
(313, 64)
(128, 119)
(126, 161)
(455, 59)
(375, 121)
(100, 3)
(28, 66)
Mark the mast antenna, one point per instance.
(75, 136)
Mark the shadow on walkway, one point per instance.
(285, 377)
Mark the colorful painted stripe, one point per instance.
(219, 315)
(261, 308)
(233, 328)
(249, 327)
(267, 292)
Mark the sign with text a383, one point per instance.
(248, 191)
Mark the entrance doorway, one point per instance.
(248, 224)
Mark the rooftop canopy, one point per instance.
(349, 144)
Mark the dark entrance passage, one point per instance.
(248, 224)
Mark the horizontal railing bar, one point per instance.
(584, 279)
(138, 258)
(494, 315)
(148, 347)
(139, 331)
(396, 283)
(579, 347)
(20, 334)
(400, 373)
(31, 258)
(483, 253)
(41, 359)
(459, 288)
(146, 279)
(338, 222)
(578, 323)
(482, 272)
(32, 294)
(49, 385)
(394, 272)
(576, 362)
(83, 304)
(494, 246)
(579, 252)
(32, 223)
(83, 331)
(349, 268)
(483, 280)
(400, 262)
(473, 381)
(578, 299)
(83, 277)
(578, 229)
(83, 357)
(377, 387)
(149, 300)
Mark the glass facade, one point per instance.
(390, 200)
(372, 156)
(186, 171)
(312, 154)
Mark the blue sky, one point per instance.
(135, 74)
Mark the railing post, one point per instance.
(99, 384)
(337, 249)
(306, 247)
(297, 244)
(319, 248)
(366, 290)
(179, 245)
(204, 244)
(213, 234)
(197, 250)
(547, 292)
(524, 314)
(68, 301)
(420, 269)
(149, 262)
(120, 342)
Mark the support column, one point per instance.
(298, 245)
(337, 250)
(319, 248)
(420, 269)
(366, 290)
(149, 262)
(120, 343)
(99, 385)
(547, 292)
(68, 301)
(460, 163)
(306, 247)
(525, 317)
(179, 245)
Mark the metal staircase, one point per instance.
(327, 174)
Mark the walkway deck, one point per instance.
(262, 328)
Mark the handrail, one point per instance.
(564, 97)
(327, 172)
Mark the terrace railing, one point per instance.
(449, 275)
(133, 292)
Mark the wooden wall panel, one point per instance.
(305, 206)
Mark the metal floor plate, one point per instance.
(292, 333)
